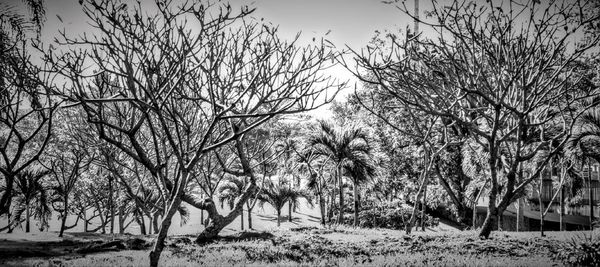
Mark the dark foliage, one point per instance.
(581, 252)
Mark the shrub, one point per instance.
(389, 215)
(582, 252)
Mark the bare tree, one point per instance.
(505, 72)
(25, 113)
(173, 86)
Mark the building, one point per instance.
(576, 214)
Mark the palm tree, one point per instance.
(585, 143)
(32, 198)
(279, 194)
(361, 168)
(230, 191)
(349, 148)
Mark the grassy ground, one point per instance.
(306, 246)
(300, 241)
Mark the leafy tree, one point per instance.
(349, 148)
(278, 194)
(230, 191)
(32, 198)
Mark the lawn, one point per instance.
(307, 246)
(300, 242)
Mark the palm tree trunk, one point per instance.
(331, 203)
(27, 215)
(290, 211)
(278, 217)
(356, 204)
(322, 208)
(341, 187)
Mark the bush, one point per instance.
(583, 252)
(390, 215)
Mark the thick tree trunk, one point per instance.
(341, 187)
(488, 223)
(159, 244)
(122, 218)
(331, 203)
(322, 209)
(64, 218)
(356, 204)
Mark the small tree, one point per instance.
(278, 194)
(346, 147)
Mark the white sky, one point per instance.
(352, 22)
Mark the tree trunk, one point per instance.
(541, 203)
(290, 208)
(278, 217)
(7, 195)
(64, 218)
(356, 204)
(122, 219)
(591, 195)
(159, 244)
(423, 208)
(141, 223)
(27, 215)
(341, 187)
(202, 218)
(561, 213)
(520, 216)
(111, 206)
(249, 218)
(331, 203)
(242, 220)
(85, 222)
(488, 223)
(322, 208)
(155, 220)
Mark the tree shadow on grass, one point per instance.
(283, 219)
(311, 218)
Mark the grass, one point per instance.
(303, 243)
(336, 247)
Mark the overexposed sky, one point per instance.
(343, 22)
